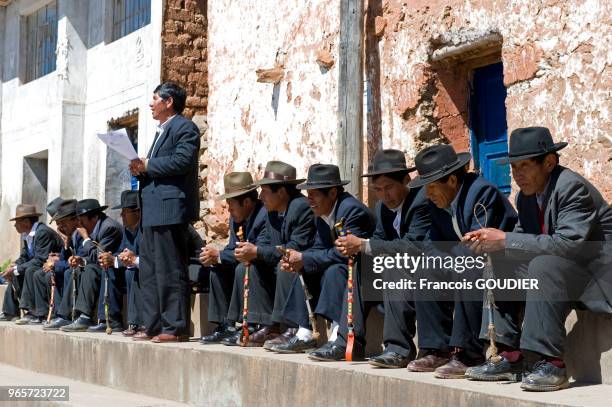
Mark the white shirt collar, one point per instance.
(329, 218)
(162, 126)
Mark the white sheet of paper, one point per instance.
(119, 141)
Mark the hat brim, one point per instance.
(236, 193)
(419, 181)
(98, 209)
(29, 215)
(513, 159)
(314, 185)
(270, 181)
(127, 207)
(388, 171)
(56, 218)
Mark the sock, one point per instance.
(304, 334)
(334, 333)
(512, 356)
(557, 362)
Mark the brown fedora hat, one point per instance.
(236, 184)
(278, 172)
(25, 211)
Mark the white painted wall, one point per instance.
(95, 80)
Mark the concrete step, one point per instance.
(79, 393)
(235, 376)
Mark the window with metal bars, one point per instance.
(129, 16)
(41, 41)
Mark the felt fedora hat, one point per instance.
(278, 172)
(386, 162)
(67, 209)
(436, 162)
(323, 176)
(89, 205)
(25, 211)
(236, 184)
(129, 200)
(529, 142)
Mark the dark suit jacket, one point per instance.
(358, 220)
(169, 188)
(295, 230)
(254, 228)
(475, 190)
(46, 241)
(414, 225)
(578, 224)
(130, 241)
(74, 248)
(109, 236)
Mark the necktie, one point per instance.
(541, 219)
(157, 133)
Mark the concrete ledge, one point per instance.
(218, 375)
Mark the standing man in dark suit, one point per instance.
(38, 241)
(94, 226)
(246, 212)
(402, 216)
(289, 222)
(564, 239)
(460, 202)
(169, 202)
(325, 268)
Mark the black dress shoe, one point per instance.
(222, 332)
(328, 353)
(116, 326)
(494, 369)
(545, 377)
(295, 345)
(232, 340)
(56, 324)
(80, 325)
(8, 318)
(29, 319)
(390, 360)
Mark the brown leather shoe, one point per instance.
(141, 336)
(281, 339)
(264, 334)
(164, 338)
(456, 366)
(428, 363)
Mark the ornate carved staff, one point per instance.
(52, 299)
(307, 295)
(245, 295)
(350, 340)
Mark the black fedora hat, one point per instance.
(436, 162)
(88, 206)
(323, 176)
(67, 209)
(53, 205)
(278, 172)
(236, 184)
(529, 142)
(386, 162)
(129, 200)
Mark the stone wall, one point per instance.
(418, 59)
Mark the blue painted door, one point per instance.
(488, 127)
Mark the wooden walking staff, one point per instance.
(307, 295)
(245, 294)
(350, 339)
(52, 299)
(489, 300)
(109, 330)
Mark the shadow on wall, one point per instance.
(589, 347)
